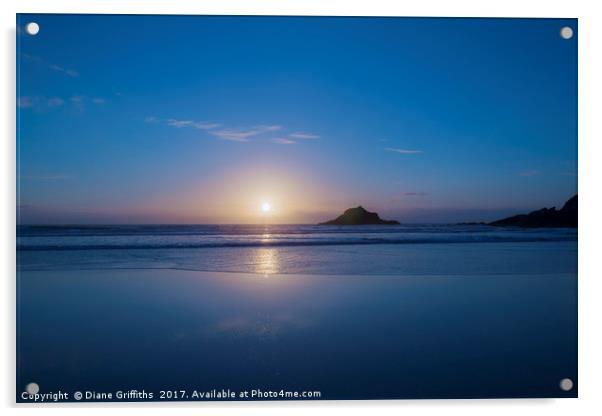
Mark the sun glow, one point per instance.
(253, 195)
(266, 207)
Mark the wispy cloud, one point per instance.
(402, 151)
(243, 135)
(39, 102)
(26, 102)
(79, 101)
(55, 102)
(302, 135)
(177, 123)
(282, 140)
(66, 71)
(69, 72)
(416, 194)
(531, 172)
(190, 123)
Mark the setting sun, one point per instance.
(266, 207)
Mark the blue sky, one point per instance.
(161, 119)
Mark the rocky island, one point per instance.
(359, 216)
(566, 217)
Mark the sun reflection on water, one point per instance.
(266, 261)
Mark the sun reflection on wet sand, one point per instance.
(266, 261)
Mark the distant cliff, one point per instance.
(359, 216)
(546, 217)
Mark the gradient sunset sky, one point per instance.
(182, 119)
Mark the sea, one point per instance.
(304, 249)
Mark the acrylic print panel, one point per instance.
(295, 208)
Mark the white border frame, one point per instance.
(590, 178)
